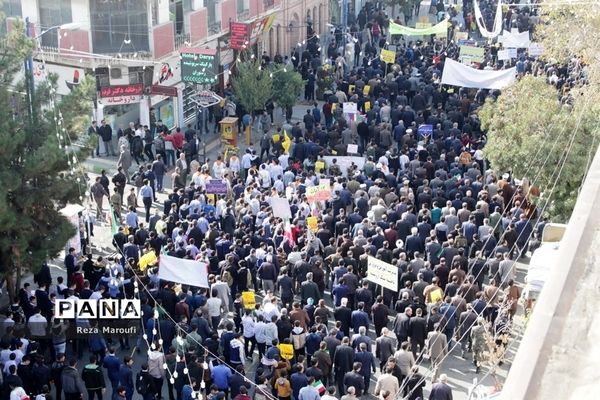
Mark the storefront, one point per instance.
(164, 93)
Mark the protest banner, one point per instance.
(286, 350)
(216, 186)
(349, 108)
(281, 208)
(352, 149)
(249, 300)
(318, 192)
(179, 270)
(425, 130)
(503, 55)
(147, 260)
(470, 54)
(388, 56)
(345, 162)
(382, 273)
(312, 223)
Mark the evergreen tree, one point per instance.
(38, 174)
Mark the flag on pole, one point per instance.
(287, 142)
(114, 221)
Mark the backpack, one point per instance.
(141, 384)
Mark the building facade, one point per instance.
(125, 43)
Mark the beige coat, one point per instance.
(437, 346)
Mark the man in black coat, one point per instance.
(342, 361)
(344, 315)
(105, 132)
(355, 379)
(418, 332)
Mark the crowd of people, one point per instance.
(425, 203)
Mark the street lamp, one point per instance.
(70, 26)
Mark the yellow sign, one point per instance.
(333, 107)
(319, 166)
(312, 223)
(286, 350)
(351, 88)
(227, 132)
(387, 56)
(249, 300)
(147, 259)
(366, 90)
(367, 106)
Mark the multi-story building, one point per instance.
(134, 45)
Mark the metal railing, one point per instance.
(243, 15)
(182, 40)
(214, 27)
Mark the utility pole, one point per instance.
(28, 64)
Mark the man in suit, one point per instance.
(344, 315)
(385, 347)
(183, 165)
(309, 289)
(441, 390)
(355, 379)
(437, 348)
(342, 361)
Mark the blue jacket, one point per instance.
(126, 377)
(359, 318)
(220, 375)
(312, 342)
(298, 381)
(112, 365)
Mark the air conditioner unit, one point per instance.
(119, 76)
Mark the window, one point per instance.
(214, 23)
(12, 8)
(176, 15)
(54, 13)
(242, 7)
(119, 26)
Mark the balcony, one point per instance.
(243, 15)
(214, 27)
(182, 40)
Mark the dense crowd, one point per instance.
(424, 202)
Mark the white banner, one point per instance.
(514, 39)
(345, 162)
(458, 74)
(382, 273)
(187, 272)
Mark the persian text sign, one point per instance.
(319, 192)
(216, 186)
(199, 65)
(122, 90)
(382, 273)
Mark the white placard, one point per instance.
(512, 53)
(535, 49)
(503, 55)
(345, 162)
(179, 270)
(352, 149)
(350, 108)
(382, 273)
(281, 208)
